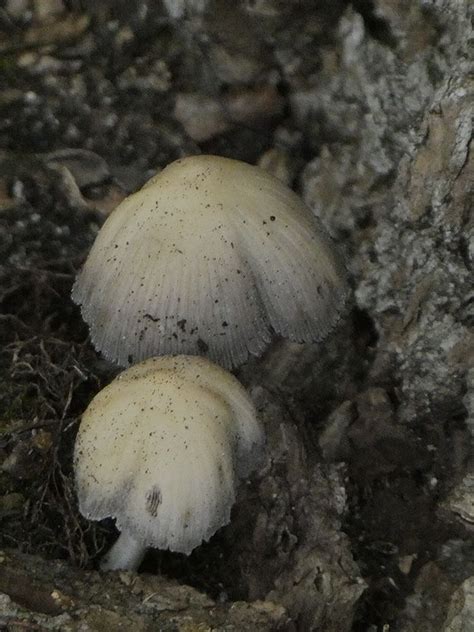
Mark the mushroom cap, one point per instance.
(157, 449)
(214, 257)
(200, 371)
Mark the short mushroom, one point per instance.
(211, 257)
(161, 450)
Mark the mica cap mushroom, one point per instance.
(161, 449)
(211, 257)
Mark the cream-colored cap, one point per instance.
(211, 257)
(159, 448)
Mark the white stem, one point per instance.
(125, 554)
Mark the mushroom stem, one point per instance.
(126, 554)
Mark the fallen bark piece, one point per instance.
(58, 597)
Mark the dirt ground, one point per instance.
(361, 518)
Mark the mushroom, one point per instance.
(161, 449)
(213, 257)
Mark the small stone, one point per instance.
(124, 36)
(460, 617)
(405, 563)
(106, 204)
(11, 503)
(276, 161)
(48, 10)
(333, 440)
(10, 95)
(155, 79)
(276, 611)
(127, 578)
(201, 116)
(87, 167)
(17, 8)
(261, 103)
(204, 117)
(233, 67)
(461, 500)
(18, 190)
(42, 440)
(64, 601)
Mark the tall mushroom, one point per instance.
(213, 257)
(161, 449)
